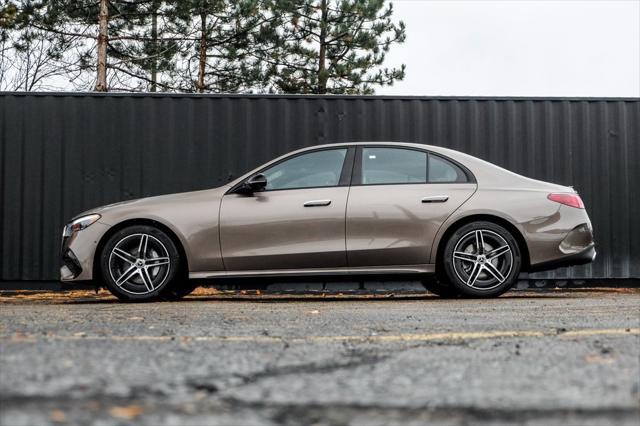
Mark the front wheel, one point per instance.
(180, 289)
(139, 263)
(482, 259)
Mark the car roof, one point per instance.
(451, 153)
(337, 144)
(437, 149)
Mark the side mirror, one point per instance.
(255, 183)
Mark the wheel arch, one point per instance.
(509, 226)
(184, 264)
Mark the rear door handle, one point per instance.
(317, 203)
(435, 199)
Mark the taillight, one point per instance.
(571, 200)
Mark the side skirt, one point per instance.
(360, 270)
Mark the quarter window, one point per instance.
(393, 165)
(444, 171)
(315, 169)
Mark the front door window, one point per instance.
(313, 170)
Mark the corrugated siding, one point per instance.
(64, 153)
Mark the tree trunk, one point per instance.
(202, 58)
(28, 67)
(322, 57)
(103, 21)
(154, 59)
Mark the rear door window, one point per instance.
(393, 166)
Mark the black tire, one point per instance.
(439, 287)
(487, 260)
(180, 288)
(131, 277)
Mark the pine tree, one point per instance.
(116, 46)
(290, 46)
(169, 45)
(222, 34)
(29, 57)
(8, 14)
(147, 45)
(332, 46)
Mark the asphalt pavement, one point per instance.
(569, 357)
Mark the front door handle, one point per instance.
(317, 203)
(435, 199)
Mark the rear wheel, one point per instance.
(482, 259)
(439, 287)
(139, 263)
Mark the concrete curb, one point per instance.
(336, 286)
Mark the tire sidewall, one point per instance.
(451, 275)
(179, 289)
(174, 258)
(437, 286)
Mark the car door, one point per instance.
(398, 200)
(297, 221)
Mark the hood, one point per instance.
(152, 206)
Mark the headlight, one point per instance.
(79, 224)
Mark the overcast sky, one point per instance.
(518, 48)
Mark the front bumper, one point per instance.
(71, 267)
(78, 252)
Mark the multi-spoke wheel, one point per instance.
(482, 259)
(139, 263)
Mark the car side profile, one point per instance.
(346, 208)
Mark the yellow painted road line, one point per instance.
(423, 337)
(606, 331)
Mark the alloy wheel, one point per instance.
(139, 264)
(482, 259)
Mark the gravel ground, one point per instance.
(549, 357)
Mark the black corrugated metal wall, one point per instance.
(64, 153)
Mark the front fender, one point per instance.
(192, 216)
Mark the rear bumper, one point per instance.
(580, 258)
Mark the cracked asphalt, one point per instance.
(227, 358)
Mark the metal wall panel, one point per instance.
(64, 153)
